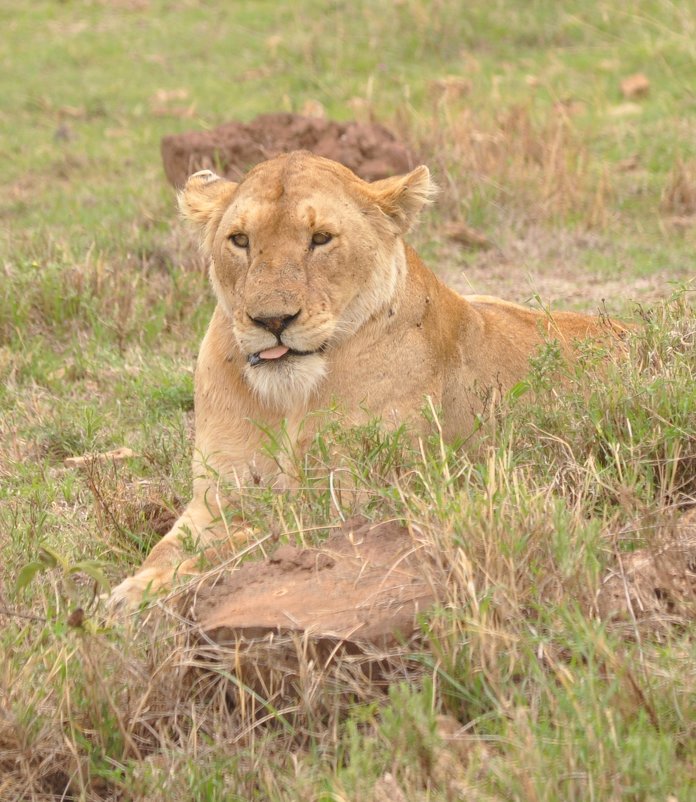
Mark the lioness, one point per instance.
(320, 302)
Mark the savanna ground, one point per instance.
(519, 689)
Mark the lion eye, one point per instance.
(240, 240)
(321, 238)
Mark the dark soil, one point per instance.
(368, 149)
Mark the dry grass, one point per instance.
(679, 195)
(530, 161)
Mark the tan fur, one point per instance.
(384, 331)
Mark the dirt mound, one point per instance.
(364, 585)
(369, 149)
(343, 616)
(654, 585)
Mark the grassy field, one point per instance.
(520, 689)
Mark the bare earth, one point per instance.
(545, 264)
(366, 584)
(368, 149)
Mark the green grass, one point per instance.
(518, 689)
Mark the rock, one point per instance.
(467, 236)
(635, 86)
(369, 149)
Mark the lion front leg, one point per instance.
(198, 527)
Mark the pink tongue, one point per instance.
(274, 353)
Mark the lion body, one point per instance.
(370, 330)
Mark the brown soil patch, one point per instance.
(364, 585)
(547, 264)
(368, 149)
(655, 584)
(307, 624)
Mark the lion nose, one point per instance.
(276, 324)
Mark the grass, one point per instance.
(518, 688)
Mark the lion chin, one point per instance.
(324, 309)
(289, 383)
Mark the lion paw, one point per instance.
(139, 588)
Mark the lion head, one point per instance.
(302, 254)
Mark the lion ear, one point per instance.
(204, 198)
(403, 196)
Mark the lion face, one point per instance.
(303, 254)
